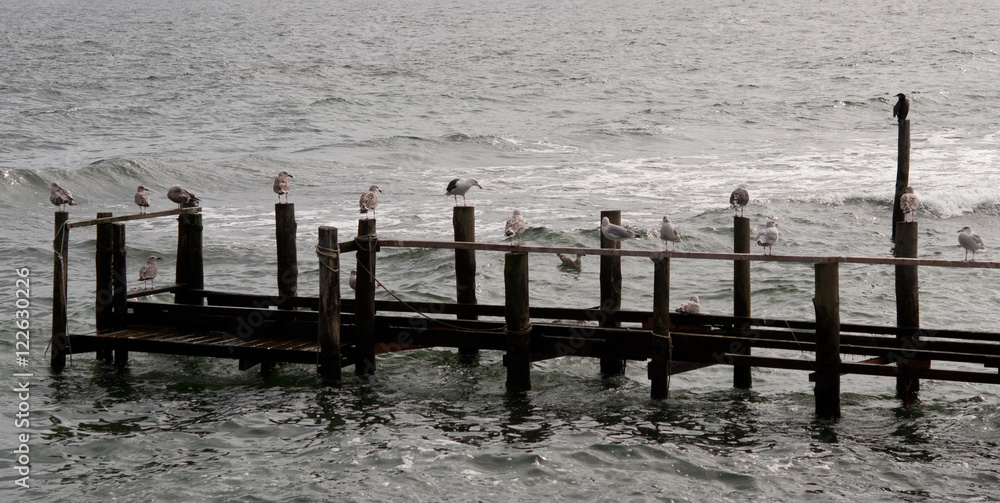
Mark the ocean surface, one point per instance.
(561, 109)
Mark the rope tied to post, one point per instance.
(330, 254)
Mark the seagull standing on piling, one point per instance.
(459, 186)
(738, 199)
(902, 107)
(148, 270)
(369, 200)
(281, 185)
(181, 196)
(568, 262)
(142, 198)
(515, 226)
(970, 241)
(768, 236)
(61, 197)
(616, 232)
(909, 202)
(692, 306)
(669, 233)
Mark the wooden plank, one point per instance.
(144, 292)
(137, 216)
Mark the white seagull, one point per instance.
(459, 186)
(515, 226)
(970, 241)
(909, 202)
(353, 280)
(281, 185)
(616, 232)
(148, 270)
(369, 200)
(738, 199)
(768, 236)
(181, 196)
(669, 232)
(61, 197)
(690, 306)
(142, 198)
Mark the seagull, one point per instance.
(616, 232)
(148, 270)
(515, 226)
(568, 262)
(669, 232)
(909, 202)
(61, 197)
(281, 185)
(768, 236)
(690, 306)
(738, 199)
(970, 241)
(459, 186)
(181, 196)
(353, 280)
(142, 198)
(902, 107)
(369, 200)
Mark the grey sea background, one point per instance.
(561, 109)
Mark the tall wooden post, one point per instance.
(329, 306)
(741, 295)
(517, 360)
(119, 282)
(60, 255)
(190, 263)
(907, 308)
(364, 295)
(611, 293)
(659, 365)
(104, 315)
(288, 265)
(902, 173)
(464, 221)
(827, 305)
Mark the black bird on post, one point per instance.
(901, 108)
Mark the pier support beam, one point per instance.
(464, 220)
(827, 305)
(329, 367)
(517, 360)
(104, 316)
(190, 262)
(288, 265)
(119, 284)
(659, 365)
(611, 294)
(741, 296)
(364, 296)
(907, 310)
(60, 255)
(902, 173)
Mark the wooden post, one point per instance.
(741, 295)
(60, 255)
(907, 308)
(659, 365)
(517, 360)
(364, 297)
(104, 315)
(827, 305)
(190, 263)
(611, 293)
(119, 281)
(464, 221)
(288, 266)
(329, 306)
(902, 173)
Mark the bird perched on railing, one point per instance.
(369, 201)
(738, 199)
(515, 226)
(60, 197)
(148, 270)
(692, 306)
(768, 236)
(669, 233)
(909, 202)
(142, 198)
(616, 232)
(459, 186)
(970, 241)
(181, 196)
(281, 185)
(902, 107)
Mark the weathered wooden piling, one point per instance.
(611, 293)
(288, 265)
(190, 262)
(119, 283)
(104, 316)
(741, 296)
(364, 297)
(60, 247)
(329, 306)
(464, 221)
(517, 360)
(902, 173)
(659, 365)
(827, 306)
(907, 307)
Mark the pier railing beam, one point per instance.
(364, 295)
(104, 316)
(60, 255)
(464, 221)
(611, 294)
(827, 305)
(517, 360)
(659, 365)
(741, 295)
(902, 173)
(329, 367)
(907, 308)
(190, 262)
